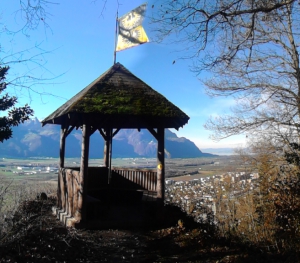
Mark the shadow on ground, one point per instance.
(35, 235)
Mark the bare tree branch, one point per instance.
(251, 49)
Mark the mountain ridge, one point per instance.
(30, 139)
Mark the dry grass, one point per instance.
(13, 194)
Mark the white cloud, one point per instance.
(234, 142)
(195, 132)
(210, 107)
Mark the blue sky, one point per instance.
(78, 46)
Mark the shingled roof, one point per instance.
(118, 99)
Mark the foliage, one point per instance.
(293, 156)
(15, 115)
(287, 209)
(276, 197)
(4, 189)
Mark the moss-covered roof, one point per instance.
(118, 99)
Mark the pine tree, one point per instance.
(10, 115)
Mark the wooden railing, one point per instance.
(143, 178)
(122, 178)
(67, 191)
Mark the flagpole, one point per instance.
(116, 37)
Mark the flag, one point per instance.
(131, 31)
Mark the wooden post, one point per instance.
(107, 151)
(105, 158)
(70, 192)
(160, 186)
(109, 154)
(75, 175)
(61, 164)
(62, 188)
(106, 148)
(81, 211)
(62, 146)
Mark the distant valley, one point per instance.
(220, 151)
(30, 139)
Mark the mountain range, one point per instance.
(30, 139)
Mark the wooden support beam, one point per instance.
(69, 130)
(83, 174)
(62, 147)
(160, 186)
(153, 132)
(115, 132)
(108, 135)
(64, 132)
(102, 134)
(106, 147)
(93, 129)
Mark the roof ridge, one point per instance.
(119, 94)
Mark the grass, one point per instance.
(22, 189)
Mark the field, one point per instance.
(45, 169)
(28, 177)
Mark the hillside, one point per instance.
(32, 140)
(37, 236)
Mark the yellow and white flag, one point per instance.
(131, 31)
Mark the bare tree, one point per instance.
(251, 49)
(32, 14)
(29, 15)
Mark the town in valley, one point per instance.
(197, 185)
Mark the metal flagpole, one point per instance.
(116, 36)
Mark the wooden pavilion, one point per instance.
(91, 196)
